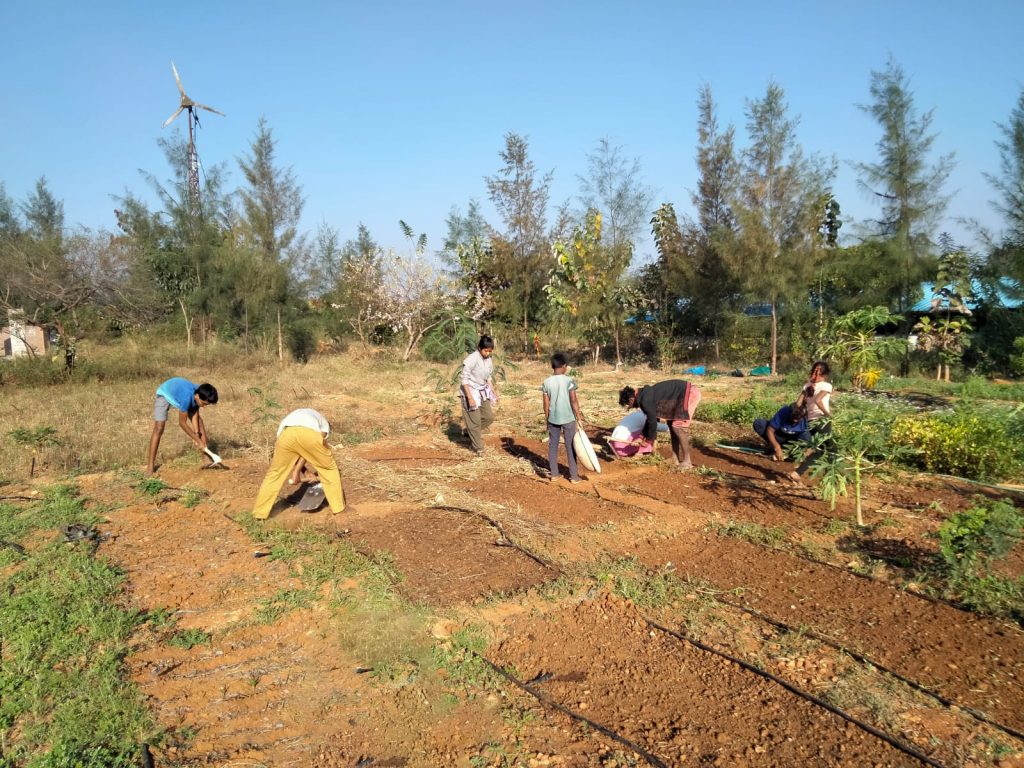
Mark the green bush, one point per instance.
(740, 411)
(966, 442)
(301, 341)
(1017, 358)
(450, 340)
(974, 537)
(970, 543)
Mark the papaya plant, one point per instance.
(853, 341)
(859, 446)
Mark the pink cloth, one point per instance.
(625, 450)
(692, 400)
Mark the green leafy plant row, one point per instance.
(968, 442)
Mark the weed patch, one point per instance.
(189, 638)
(765, 535)
(970, 545)
(65, 699)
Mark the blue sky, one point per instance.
(397, 110)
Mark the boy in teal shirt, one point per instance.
(561, 411)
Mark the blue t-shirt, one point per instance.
(782, 421)
(179, 392)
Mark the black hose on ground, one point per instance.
(890, 740)
(945, 701)
(547, 702)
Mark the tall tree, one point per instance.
(1009, 184)
(272, 199)
(907, 185)
(10, 226)
(356, 293)
(775, 209)
(614, 186)
(463, 229)
(182, 244)
(712, 283)
(44, 213)
(521, 198)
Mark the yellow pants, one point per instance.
(296, 442)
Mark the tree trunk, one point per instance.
(280, 339)
(188, 324)
(618, 351)
(526, 329)
(775, 337)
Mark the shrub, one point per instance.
(740, 411)
(966, 442)
(301, 341)
(1017, 358)
(970, 543)
(971, 539)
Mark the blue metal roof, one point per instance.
(998, 293)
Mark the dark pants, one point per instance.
(784, 438)
(477, 421)
(568, 431)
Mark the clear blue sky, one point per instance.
(398, 110)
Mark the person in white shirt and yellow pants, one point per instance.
(301, 435)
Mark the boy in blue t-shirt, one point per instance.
(789, 424)
(561, 412)
(188, 398)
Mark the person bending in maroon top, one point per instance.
(671, 401)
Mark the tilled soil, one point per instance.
(288, 691)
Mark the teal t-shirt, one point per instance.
(557, 388)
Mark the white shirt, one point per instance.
(305, 417)
(813, 411)
(632, 424)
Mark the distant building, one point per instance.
(1001, 293)
(21, 338)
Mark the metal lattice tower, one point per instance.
(189, 106)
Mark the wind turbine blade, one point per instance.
(210, 109)
(171, 118)
(177, 79)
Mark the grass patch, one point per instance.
(765, 535)
(458, 659)
(190, 497)
(150, 486)
(189, 638)
(628, 578)
(65, 698)
(284, 601)
(359, 436)
(60, 504)
(375, 624)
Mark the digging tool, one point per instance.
(218, 463)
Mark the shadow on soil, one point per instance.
(899, 553)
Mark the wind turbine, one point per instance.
(187, 105)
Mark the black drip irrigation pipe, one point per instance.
(506, 540)
(890, 740)
(939, 475)
(945, 701)
(912, 592)
(547, 702)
